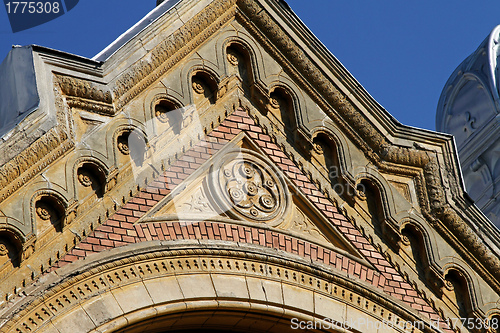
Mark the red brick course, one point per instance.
(119, 229)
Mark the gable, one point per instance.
(357, 192)
(241, 186)
(156, 214)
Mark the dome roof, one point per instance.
(470, 98)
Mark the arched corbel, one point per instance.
(325, 155)
(169, 114)
(413, 240)
(239, 69)
(204, 86)
(369, 200)
(457, 292)
(92, 177)
(13, 247)
(49, 209)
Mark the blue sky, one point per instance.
(402, 52)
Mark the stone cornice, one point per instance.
(384, 154)
(33, 160)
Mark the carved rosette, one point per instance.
(246, 186)
(232, 58)
(198, 87)
(44, 212)
(85, 178)
(3, 250)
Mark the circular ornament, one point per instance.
(3, 250)
(43, 212)
(161, 114)
(198, 87)
(84, 178)
(232, 58)
(122, 143)
(246, 186)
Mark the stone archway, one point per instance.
(161, 286)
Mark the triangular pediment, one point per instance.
(370, 190)
(240, 185)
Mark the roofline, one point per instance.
(137, 28)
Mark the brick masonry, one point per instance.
(120, 229)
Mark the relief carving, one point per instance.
(83, 89)
(303, 224)
(198, 203)
(86, 95)
(85, 178)
(32, 160)
(43, 211)
(248, 187)
(3, 250)
(122, 143)
(232, 58)
(367, 137)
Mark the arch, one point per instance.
(249, 45)
(326, 155)
(12, 244)
(49, 206)
(341, 145)
(90, 173)
(377, 206)
(204, 85)
(239, 61)
(171, 102)
(460, 285)
(380, 184)
(416, 240)
(142, 287)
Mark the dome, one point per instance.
(468, 108)
(469, 100)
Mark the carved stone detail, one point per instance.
(248, 186)
(122, 143)
(198, 203)
(198, 87)
(161, 114)
(32, 160)
(43, 211)
(84, 89)
(302, 223)
(232, 58)
(3, 250)
(85, 178)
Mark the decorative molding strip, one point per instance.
(85, 280)
(174, 48)
(85, 104)
(33, 160)
(84, 89)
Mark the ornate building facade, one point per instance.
(216, 168)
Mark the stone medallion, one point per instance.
(247, 186)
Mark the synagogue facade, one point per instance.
(217, 168)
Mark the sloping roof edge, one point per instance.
(135, 29)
